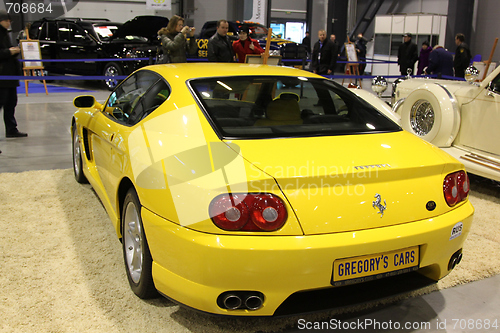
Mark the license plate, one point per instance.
(374, 266)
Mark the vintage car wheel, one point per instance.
(431, 112)
(77, 158)
(112, 69)
(138, 260)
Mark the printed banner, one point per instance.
(259, 11)
(159, 4)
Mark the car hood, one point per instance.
(142, 26)
(339, 183)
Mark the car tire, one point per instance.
(136, 254)
(77, 158)
(431, 112)
(112, 69)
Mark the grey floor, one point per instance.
(48, 146)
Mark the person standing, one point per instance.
(440, 62)
(9, 66)
(361, 52)
(220, 48)
(407, 55)
(307, 42)
(323, 55)
(336, 50)
(246, 45)
(423, 59)
(462, 56)
(174, 40)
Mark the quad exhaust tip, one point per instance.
(232, 302)
(241, 300)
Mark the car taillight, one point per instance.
(248, 212)
(456, 187)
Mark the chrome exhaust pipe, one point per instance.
(232, 301)
(455, 259)
(253, 302)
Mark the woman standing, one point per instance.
(246, 45)
(423, 60)
(174, 40)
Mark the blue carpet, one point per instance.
(35, 88)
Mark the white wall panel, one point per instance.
(425, 24)
(442, 28)
(398, 24)
(383, 24)
(411, 24)
(437, 24)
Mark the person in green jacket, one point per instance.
(174, 41)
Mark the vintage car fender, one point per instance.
(431, 112)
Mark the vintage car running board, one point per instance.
(484, 161)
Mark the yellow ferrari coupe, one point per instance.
(233, 187)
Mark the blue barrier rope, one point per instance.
(85, 60)
(367, 61)
(63, 78)
(121, 77)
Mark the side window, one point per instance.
(495, 84)
(51, 31)
(77, 34)
(35, 30)
(64, 32)
(136, 97)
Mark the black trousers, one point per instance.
(8, 100)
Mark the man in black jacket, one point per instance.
(361, 52)
(407, 55)
(9, 66)
(462, 56)
(220, 48)
(323, 55)
(307, 43)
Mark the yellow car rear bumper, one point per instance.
(194, 268)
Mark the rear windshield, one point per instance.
(272, 106)
(105, 31)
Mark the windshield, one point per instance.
(258, 31)
(105, 31)
(272, 106)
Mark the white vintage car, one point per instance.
(461, 118)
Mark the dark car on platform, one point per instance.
(96, 47)
(279, 46)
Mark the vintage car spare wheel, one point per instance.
(431, 112)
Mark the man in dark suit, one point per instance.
(9, 66)
(361, 52)
(307, 43)
(323, 55)
(407, 55)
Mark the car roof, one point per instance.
(186, 71)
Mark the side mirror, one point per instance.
(86, 101)
(471, 74)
